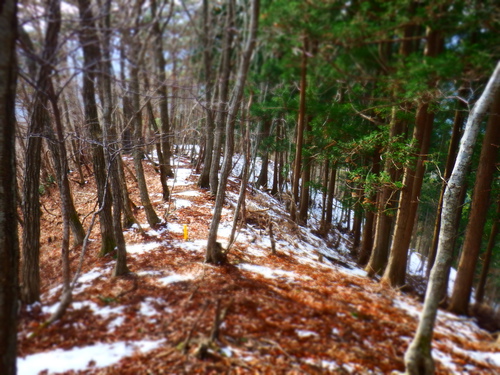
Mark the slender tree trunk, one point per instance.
(213, 254)
(395, 272)
(30, 271)
(158, 142)
(165, 167)
(9, 244)
(305, 181)
(367, 239)
(462, 289)
(111, 144)
(204, 180)
(222, 105)
(138, 151)
(487, 258)
(262, 180)
(67, 207)
(301, 124)
(418, 359)
(450, 162)
(92, 59)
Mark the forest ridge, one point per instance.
(389, 109)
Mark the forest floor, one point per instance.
(305, 310)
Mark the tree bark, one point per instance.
(450, 162)
(204, 180)
(462, 289)
(395, 272)
(30, 270)
(418, 359)
(222, 105)
(92, 59)
(299, 140)
(165, 167)
(487, 258)
(9, 244)
(304, 182)
(213, 253)
(367, 239)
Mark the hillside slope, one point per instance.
(305, 310)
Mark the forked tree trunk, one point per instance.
(213, 253)
(9, 244)
(462, 289)
(418, 358)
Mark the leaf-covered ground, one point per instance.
(305, 310)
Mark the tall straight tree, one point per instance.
(395, 272)
(135, 58)
(418, 358)
(462, 288)
(159, 59)
(222, 105)
(301, 125)
(91, 62)
(213, 254)
(204, 180)
(30, 270)
(9, 245)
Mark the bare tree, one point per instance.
(9, 244)
(418, 358)
(213, 253)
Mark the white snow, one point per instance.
(182, 203)
(100, 354)
(267, 272)
(302, 333)
(141, 248)
(175, 278)
(189, 193)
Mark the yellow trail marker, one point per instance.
(185, 232)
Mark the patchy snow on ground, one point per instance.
(141, 248)
(98, 355)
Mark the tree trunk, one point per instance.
(138, 151)
(9, 244)
(413, 178)
(462, 289)
(165, 167)
(204, 180)
(111, 144)
(299, 140)
(304, 182)
(487, 258)
(213, 253)
(158, 147)
(92, 59)
(30, 271)
(418, 359)
(262, 180)
(367, 239)
(395, 272)
(450, 162)
(223, 105)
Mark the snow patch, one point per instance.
(76, 359)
